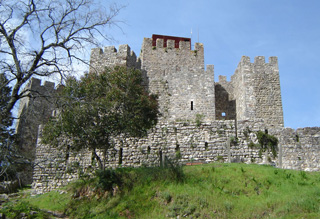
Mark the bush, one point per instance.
(107, 179)
(267, 142)
(174, 171)
(22, 210)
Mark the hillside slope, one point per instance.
(215, 190)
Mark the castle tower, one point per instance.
(176, 73)
(34, 109)
(257, 91)
(111, 57)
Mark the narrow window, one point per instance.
(149, 149)
(68, 152)
(206, 145)
(191, 105)
(120, 156)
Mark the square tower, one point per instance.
(176, 73)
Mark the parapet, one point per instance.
(259, 60)
(151, 44)
(35, 85)
(169, 41)
(49, 85)
(34, 82)
(112, 51)
(110, 57)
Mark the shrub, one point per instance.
(234, 140)
(267, 142)
(107, 179)
(22, 210)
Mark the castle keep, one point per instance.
(177, 74)
(201, 120)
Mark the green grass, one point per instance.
(206, 191)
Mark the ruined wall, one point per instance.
(178, 76)
(257, 90)
(35, 109)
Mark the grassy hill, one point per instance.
(215, 190)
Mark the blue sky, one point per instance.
(229, 29)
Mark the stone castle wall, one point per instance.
(301, 149)
(34, 109)
(219, 141)
(186, 141)
(178, 76)
(257, 90)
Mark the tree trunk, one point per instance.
(95, 156)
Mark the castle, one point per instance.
(201, 120)
(185, 88)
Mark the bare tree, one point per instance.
(43, 37)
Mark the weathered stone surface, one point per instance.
(34, 109)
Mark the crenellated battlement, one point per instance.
(124, 50)
(257, 90)
(259, 60)
(111, 57)
(169, 44)
(38, 90)
(39, 86)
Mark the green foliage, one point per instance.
(166, 197)
(99, 106)
(251, 145)
(8, 150)
(178, 154)
(198, 120)
(23, 210)
(53, 201)
(267, 142)
(107, 179)
(5, 90)
(195, 52)
(234, 140)
(174, 170)
(182, 206)
(247, 132)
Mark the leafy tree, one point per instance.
(42, 38)
(101, 106)
(6, 132)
